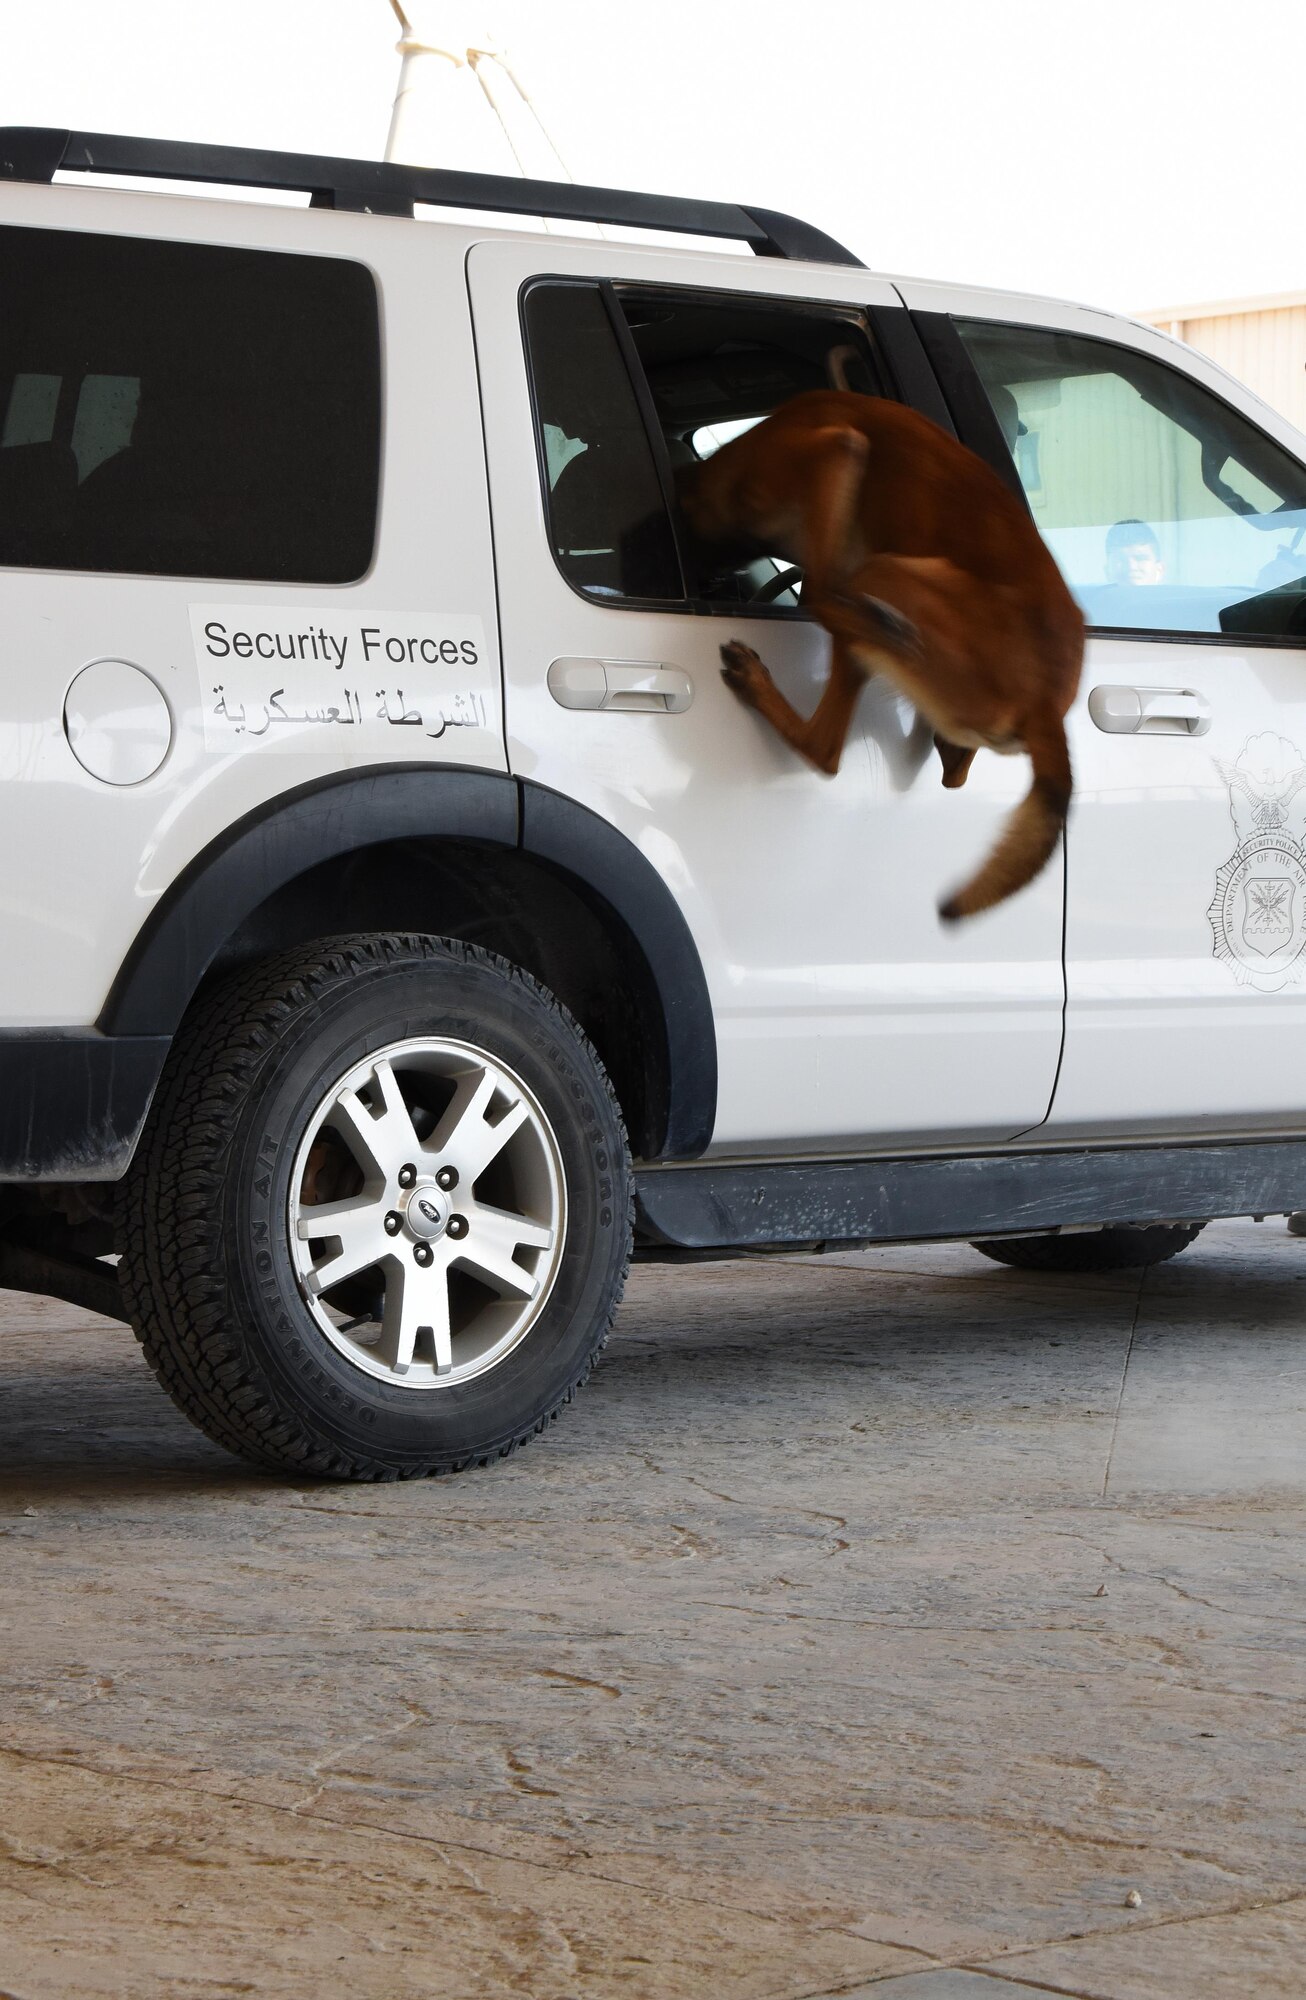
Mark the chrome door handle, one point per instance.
(638, 686)
(1142, 711)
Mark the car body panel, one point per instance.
(846, 1014)
(1176, 1022)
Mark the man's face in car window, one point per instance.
(1133, 554)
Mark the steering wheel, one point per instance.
(774, 586)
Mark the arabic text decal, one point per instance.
(290, 681)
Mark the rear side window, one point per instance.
(1166, 509)
(179, 409)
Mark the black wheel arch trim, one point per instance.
(297, 830)
(595, 857)
(284, 837)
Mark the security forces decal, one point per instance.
(290, 679)
(1259, 912)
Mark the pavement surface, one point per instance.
(890, 1625)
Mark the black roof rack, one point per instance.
(383, 187)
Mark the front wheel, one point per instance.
(1124, 1247)
(379, 1221)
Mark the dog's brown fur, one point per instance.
(921, 565)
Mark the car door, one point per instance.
(846, 1015)
(1176, 506)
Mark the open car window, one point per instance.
(1166, 509)
(632, 384)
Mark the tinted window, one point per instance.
(184, 410)
(1166, 509)
(609, 525)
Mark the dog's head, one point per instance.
(726, 501)
(716, 542)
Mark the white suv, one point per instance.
(387, 862)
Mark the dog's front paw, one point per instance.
(742, 670)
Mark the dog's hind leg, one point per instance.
(956, 762)
(821, 736)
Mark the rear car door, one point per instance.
(1176, 506)
(846, 1016)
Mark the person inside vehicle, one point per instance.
(1007, 411)
(1133, 554)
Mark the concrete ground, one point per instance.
(872, 1626)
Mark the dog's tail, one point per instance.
(1028, 839)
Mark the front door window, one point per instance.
(1166, 509)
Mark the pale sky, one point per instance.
(1129, 153)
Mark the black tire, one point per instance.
(207, 1266)
(1124, 1248)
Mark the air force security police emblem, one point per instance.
(1259, 912)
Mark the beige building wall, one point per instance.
(1261, 341)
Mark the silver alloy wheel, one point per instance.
(427, 1213)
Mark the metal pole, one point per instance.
(413, 87)
(444, 33)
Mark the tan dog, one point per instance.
(922, 566)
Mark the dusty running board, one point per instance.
(732, 1206)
